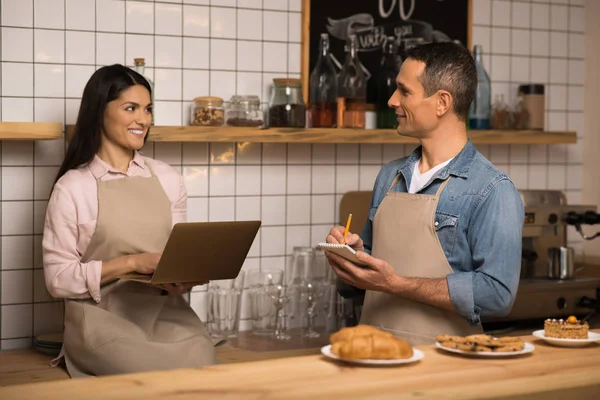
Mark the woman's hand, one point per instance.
(145, 263)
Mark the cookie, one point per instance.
(458, 346)
(509, 347)
(483, 349)
(510, 339)
(450, 338)
(482, 340)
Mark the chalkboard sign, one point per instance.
(417, 21)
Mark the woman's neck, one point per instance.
(116, 156)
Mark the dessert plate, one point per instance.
(593, 337)
(417, 355)
(488, 354)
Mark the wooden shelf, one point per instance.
(318, 135)
(30, 130)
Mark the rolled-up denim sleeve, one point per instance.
(494, 235)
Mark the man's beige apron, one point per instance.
(404, 235)
(135, 327)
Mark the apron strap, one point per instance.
(394, 181)
(150, 169)
(152, 174)
(442, 186)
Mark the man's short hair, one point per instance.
(448, 66)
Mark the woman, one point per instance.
(110, 213)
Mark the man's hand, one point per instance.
(179, 288)
(336, 236)
(376, 275)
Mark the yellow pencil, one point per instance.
(347, 227)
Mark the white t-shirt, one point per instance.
(419, 180)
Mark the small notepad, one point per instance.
(342, 250)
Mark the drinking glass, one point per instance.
(224, 298)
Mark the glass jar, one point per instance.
(287, 108)
(207, 111)
(244, 111)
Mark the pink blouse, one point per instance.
(71, 220)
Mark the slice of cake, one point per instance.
(569, 329)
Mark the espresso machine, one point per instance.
(549, 285)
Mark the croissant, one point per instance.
(372, 347)
(348, 333)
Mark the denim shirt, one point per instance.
(480, 219)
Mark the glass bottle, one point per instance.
(480, 110)
(323, 89)
(352, 87)
(140, 68)
(386, 85)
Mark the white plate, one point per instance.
(417, 355)
(489, 354)
(593, 337)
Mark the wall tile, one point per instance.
(17, 44)
(17, 79)
(168, 19)
(17, 287)
(110, 15)
(139, 17)
(221, 22)
(16, 252)
(16, 321)
(17, 12)
(49, 14)
(249, 24)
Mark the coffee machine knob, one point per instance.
(561, 303)
(552, 218)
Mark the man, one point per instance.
(442, 244)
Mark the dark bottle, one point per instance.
(352, 88)
(386, 85)
(323, 89)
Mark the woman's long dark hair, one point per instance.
(105, 85)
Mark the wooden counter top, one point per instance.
(549, 372)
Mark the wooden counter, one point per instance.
(548, 373)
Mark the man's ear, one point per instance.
(443, 103)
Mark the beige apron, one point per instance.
(404, 235)
(135, 327)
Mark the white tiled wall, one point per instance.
(223, 47)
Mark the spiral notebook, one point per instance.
(342, 250)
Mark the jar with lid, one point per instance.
(207, 111)
(244, 111)
(287, 108)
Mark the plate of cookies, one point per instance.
(367, 345)
(482, 345)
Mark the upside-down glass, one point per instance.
(260, 284)
(224, 304)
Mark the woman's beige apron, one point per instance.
(404, 235)
(135, 327)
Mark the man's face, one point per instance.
(416, 113)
